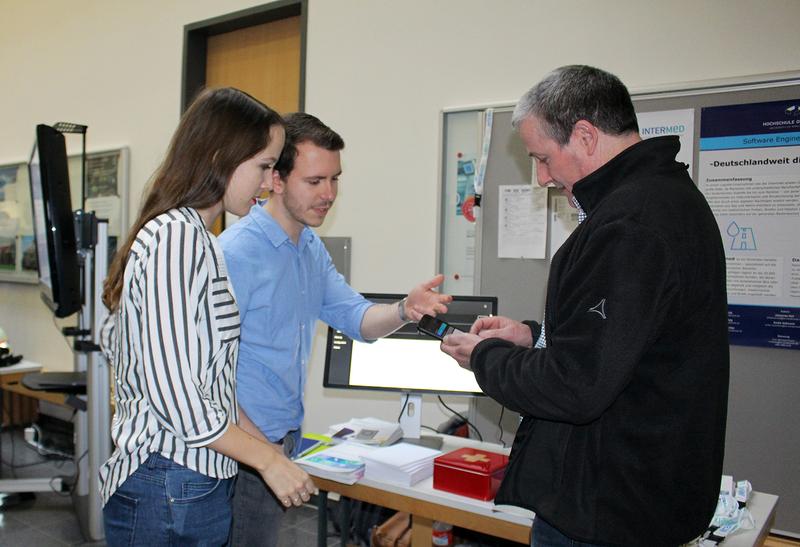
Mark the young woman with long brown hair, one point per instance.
(172, 337)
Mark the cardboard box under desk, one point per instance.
(470, 472)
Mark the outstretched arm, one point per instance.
(382, 319)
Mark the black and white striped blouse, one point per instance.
(172, 345)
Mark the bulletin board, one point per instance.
(765, 360)
(106, 195)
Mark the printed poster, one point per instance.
(749, 171)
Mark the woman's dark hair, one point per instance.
(220, 129)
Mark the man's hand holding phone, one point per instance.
(435, 327)
(455, 343)
(459, 345)
(497, 326)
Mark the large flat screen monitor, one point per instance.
(406, 361)
(53, 224)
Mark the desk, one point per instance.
(10, 380)
(762, 507)
(423, 512)
(426, 505)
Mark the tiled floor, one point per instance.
(49, 520)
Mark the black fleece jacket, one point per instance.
(623, 428)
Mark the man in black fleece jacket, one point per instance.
(623, 397)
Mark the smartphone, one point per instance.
(341, 435)
(435, 327)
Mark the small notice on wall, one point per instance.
(522, 221)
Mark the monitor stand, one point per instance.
(411, 422)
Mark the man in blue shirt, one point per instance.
(284, 281)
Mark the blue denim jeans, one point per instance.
(544, 535)
(164, 503)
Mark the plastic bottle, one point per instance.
(442, 534)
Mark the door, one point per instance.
(263, 60)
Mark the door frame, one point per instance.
(196, 35)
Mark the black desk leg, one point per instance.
(322, 519)
(2, 429)
(344, 519)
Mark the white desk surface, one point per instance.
(22, 366)
(761, 505)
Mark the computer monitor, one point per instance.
(406, 361)
(53, 224)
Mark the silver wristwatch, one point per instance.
(401, 310)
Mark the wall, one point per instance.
(382, 76)
(115, 66)
(379, 74)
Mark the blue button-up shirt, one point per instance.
(282, 289)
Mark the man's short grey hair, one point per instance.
(578, 92)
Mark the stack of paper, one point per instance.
(404, 464)
(341, 463)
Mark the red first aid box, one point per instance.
(470, 472)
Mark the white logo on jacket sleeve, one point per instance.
(599, 308)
